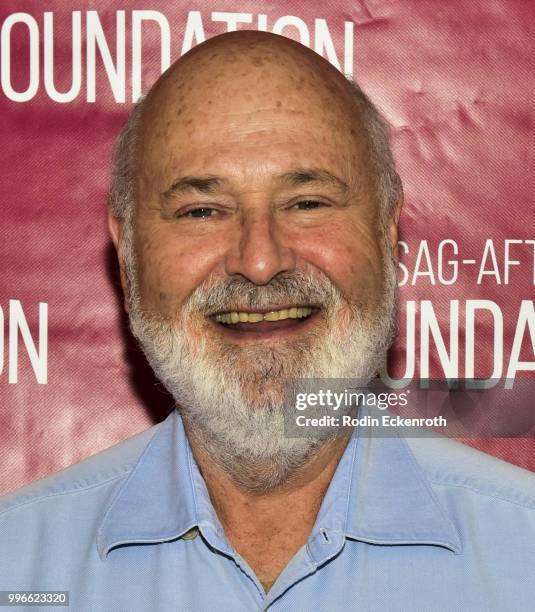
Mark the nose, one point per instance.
(259, 251)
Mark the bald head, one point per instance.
(240, 79)
(247, 71)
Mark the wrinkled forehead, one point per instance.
(263, 90)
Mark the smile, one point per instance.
(231, 318)
(267, 325)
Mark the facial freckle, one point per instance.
(279, 103)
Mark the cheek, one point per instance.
(171, 269)
(349, 254)
(158, 276)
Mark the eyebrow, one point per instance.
(202, 184)
(300, 176)
(304, 176)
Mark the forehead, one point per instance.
(250, 113)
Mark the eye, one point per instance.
(202, 212)
(310, 204)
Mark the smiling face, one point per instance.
(261, 172)
(256, 232)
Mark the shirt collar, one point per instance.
(156, 503)
(390, 500)
(378, 495)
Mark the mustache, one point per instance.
(237, 293)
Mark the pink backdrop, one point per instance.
(454, 79)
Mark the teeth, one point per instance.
(255, 317)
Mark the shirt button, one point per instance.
(325, 535)
(191, 534)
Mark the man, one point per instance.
(254, 209)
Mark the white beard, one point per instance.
(231, 397)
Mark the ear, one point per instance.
(393, 226)
(116, 229)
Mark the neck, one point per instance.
(316, 471)
(267, 528)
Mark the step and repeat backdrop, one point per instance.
(452, 77)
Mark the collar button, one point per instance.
(191, 534)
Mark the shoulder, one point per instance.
(93, 475)
(448, 464)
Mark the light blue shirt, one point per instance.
(412, 524)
